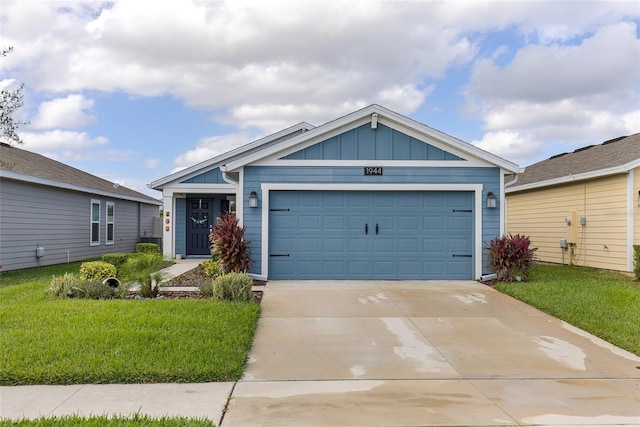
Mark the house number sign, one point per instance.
(372, 170)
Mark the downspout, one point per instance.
(227, 178)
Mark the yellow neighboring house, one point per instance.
(581, 208)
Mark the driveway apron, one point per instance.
(414, 353)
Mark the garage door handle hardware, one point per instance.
(377, 229)
(462, 256)
(462, 210)
(278, 254)
(279, 210)
(366, 229)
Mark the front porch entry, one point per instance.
(201, 214)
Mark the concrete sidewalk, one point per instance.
(387, 353)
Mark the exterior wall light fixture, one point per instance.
(253, 200)
(492, 201)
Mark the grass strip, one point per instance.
(603, 303)
(105, 421)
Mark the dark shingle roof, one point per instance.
(14, 160)
(613, 153)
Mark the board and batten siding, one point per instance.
(255, 176)
(542, 213)
(58, 220)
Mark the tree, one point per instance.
(10, 101)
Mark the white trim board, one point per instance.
(267, 187)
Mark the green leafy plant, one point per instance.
(140, 269)
(92, 290)
(211, 268)
(117, 259)
(511, 256)
(206, 288)
(148, 248)
(229, 244)
(233, 287)
(97, 271)
(636, 260)
(61, 285)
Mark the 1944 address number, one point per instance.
(373, 171)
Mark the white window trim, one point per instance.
(267, 187)
(113, 222)
(91, 222)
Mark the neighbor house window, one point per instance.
(95, 222)
(111, 209)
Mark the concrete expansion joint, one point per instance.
(226, 405)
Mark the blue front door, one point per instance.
(370, 235)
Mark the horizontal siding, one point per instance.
(58, 220)
(541, 214)
(254, 176)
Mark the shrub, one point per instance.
(61, 285)
(117, 259)
(206, 288)
(92, 290)
(229, 244)
(511, 255)
(148, 248)
(233, 287)
(96, 271)
(211, 268)
(636, 260)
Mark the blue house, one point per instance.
(371, 195)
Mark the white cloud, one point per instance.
(210, 147)
(553, 95)
(151, 163)
(55, 140)
(510, 145)
(68, 112)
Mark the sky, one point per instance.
(132, 91)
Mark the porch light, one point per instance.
(491, 200)
(253, 200)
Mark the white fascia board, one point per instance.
(387, 117)
(577, 177)
(198, 188)
(382, 163)
(221, 159)
(64, 185)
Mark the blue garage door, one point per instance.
(370, 235)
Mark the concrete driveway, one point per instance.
(365, 353)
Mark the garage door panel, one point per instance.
(434, 223)
(332, 235)
(407, 246)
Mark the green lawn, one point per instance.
(603, 303)
(48, 340)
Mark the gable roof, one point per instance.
(23, 165)
(230, 155)
(616, 155)
(383, 115)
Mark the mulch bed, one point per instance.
(195, 278)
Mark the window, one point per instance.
(95, 222)
(111, 208)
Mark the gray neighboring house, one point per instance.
(52, 213)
